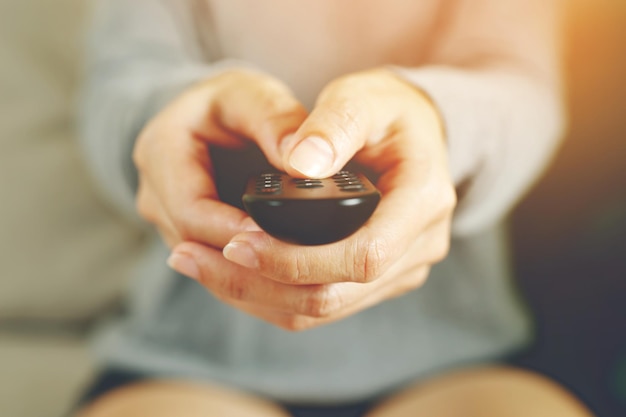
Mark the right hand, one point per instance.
(392, 127)
(176, 189)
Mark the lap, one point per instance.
(481, 391)
(484, 391)
(118, 393)
(171, 398)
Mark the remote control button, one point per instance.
(306, 181)
(347, 181)
(309, 186)
(274, 190)
(343, 173)
(353, 188)
(331, 209)
(269, 185)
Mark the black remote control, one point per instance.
(310, 211)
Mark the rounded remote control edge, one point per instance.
(310, 212)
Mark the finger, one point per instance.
(350, 112)
(286, 321)
(151, 210)
(172, 151)
(300, 322)
(256, 106)
(296, 308)
(271, 316)
(168, 232)
(416, 187)
(180, 184)
(410, 205)
(229, 281)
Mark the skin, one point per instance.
(478, 392)
(373, 116)
(385, 124)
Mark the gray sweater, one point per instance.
(492, 69)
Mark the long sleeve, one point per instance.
(492, 69)
(493, 72)
(141, 54)
(495, 83)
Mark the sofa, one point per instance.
(65, 256)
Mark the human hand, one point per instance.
(385, 124)
(176, 189)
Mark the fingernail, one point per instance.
(242, 254)
(313, 157)
(184, 264)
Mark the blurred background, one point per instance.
(65, 257)
(569, 234)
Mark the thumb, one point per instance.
(338, 127)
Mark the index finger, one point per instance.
(179, 180)
(411, 203)
(172, 152)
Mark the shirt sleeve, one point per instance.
(494, 74)
(140, 55)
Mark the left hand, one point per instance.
(386, 124)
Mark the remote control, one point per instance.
(310, 211)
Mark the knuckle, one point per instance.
(279, 103)
(441, 249)
(356, 82)
(181, 222)
(144, 208)
(278, 111)
(296, 323)
(139, 158)
(349, 82)
(347, 121)
(137, 154)
(171, 240)
(297, 269)
(421, 277)
(442, 197)
(440, 245)
(413, 281)
(279, 107)
(234, 289)
(448, 198)
(322, 303)
(233, 77)
(369, 260)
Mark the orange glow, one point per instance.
(588, 177)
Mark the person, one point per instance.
(453, 106)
